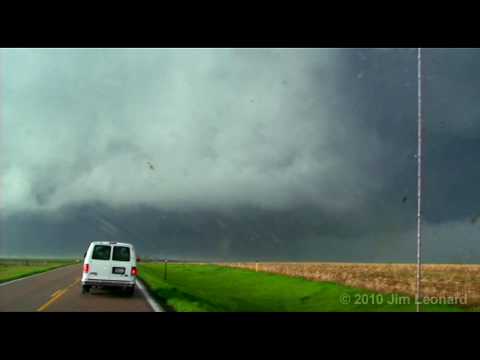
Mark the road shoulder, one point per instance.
(151, 301)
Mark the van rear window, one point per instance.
(101, 252)
(121, 253)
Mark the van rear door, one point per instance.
(122, 257)
(100, 265)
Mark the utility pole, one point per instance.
(419, 179)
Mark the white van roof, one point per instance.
(111, 243)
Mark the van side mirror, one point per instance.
(85, 255)
(138, 259)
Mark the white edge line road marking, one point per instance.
(34, 275)
(153, 304)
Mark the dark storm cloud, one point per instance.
(287, 154)
(221, 126)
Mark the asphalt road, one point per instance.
(60, 290)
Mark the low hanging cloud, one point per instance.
(177, 128)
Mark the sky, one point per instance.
(238, 154)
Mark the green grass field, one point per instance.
(15, 269)
(199, 288)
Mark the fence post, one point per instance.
(165, 270)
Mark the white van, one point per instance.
(109, 264)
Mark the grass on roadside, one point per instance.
(196, 287)
(12, 270)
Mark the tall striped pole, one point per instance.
(419, 179)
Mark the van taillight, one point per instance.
(134, 271)
(86, 268)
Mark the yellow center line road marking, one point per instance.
(57, 295)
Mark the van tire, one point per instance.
(85, 289)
